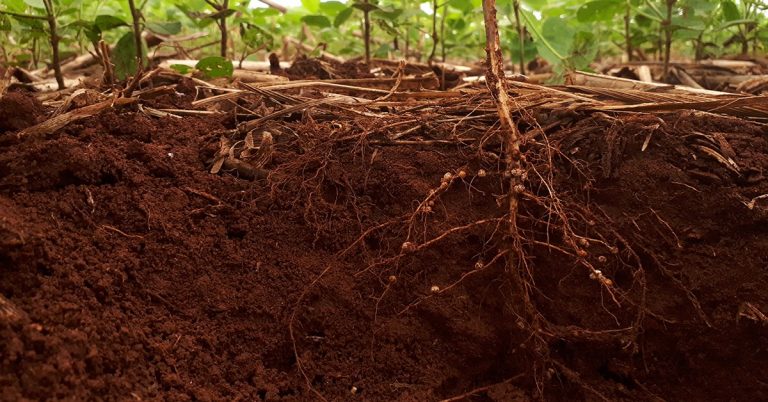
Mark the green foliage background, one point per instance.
(566, 33)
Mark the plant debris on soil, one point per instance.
(317, 239)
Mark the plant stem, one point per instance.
(496, 82)
(367, 33)
(34, 53)
(435, 38)
(699, 47)
(520, 35)
(659, 45)
(442, 35)
(627, 36)
(136, 33)
(54, 36)
(407, 33)
(668, 38)
(223, 26)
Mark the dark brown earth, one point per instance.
(304, 67)
(136, 274)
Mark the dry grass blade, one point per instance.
(225, 149)
(754, 107)
(754, 84)
(157, 113)
(580, 78)
(8, 311)
(254, 124)
(264, 154)
(186, 112)
(727, 162)
(5, 80)
(633, 96)
(326, 84)
(58, 122)
(750, 311)
(80, 95)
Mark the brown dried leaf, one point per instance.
(728, 163)
(249, 140)
(264, 154)
(725, 147)
(8, 311)
(225, 147)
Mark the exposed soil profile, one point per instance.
(129, 272)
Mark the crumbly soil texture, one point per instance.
(128, 271)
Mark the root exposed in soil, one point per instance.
(129, 269)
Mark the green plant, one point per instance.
(30, 13)
(384, 16)
(569, 34)
(257, 30)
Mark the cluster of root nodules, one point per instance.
(354, 258)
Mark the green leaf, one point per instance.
(35, 4)
(685, 34)
(583, 50)
(257, 38)
(535, 4)
(364, 6)
(332, 7)
(386, 27)
(88, 28)
(65, 12)
(181, 68)
(312, 6)
(600, 10)
(220, 14)
(643, 21)
(730, 10)
(694, 23)
(5, 23)
(16, 6)
(93, 34)
(734, 23)
(265, 12)
(383, 51)
(164, 28)
(106, 22)
(124, 56)
(343, 16)
(70, 3)
(390, 14)
(554, 44)
(456, 24)
(700, 7)
(463, 5)
(316, 21)
(513, 46)
(215, 67)
(31, 23)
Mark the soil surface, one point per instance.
(129, 271)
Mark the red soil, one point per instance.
(138, 274)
